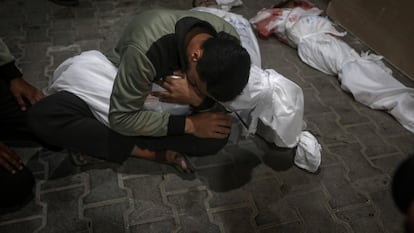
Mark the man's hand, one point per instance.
(178, 91)
(208, 125)
(9, 159)
(23, 90)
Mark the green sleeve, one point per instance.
(8, 69)
(5, 55)
(131, 87)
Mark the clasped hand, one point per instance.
(209, 125)
(178, 90)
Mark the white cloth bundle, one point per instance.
(366, 76)
(278, 104)
(316, 39)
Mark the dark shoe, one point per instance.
(66, 2)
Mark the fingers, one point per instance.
(4, 164)
(223, 119)
(9, 159)
(163, 96)
(32, 98)
(21, 102)
(222, 132)
(179, 73)
(223, 128)
(38, 95)
(208, 125)
(167, 85)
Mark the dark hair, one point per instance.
(225, 67)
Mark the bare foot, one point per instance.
(168, 157)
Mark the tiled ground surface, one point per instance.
(249, 187)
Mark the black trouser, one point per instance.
(65, 120)
(16, 188)
(13, 124)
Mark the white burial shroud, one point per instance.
(317, 40)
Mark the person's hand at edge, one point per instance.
(22, 90)
(9, 159)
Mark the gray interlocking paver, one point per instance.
(293, 181)
(329, 130)
(31, 211)
(340, 189)
(62, 213)
(235, 220)
(391, 219)
(313, 104)
(354, 160)
(388, 164)
(404, 143)
(362, 219)
(373, 143)
(107, 218)
(30, 225)
(233, 198)
(287, 227)
(385, 124)
(148, 201)
(162, 226)
(191, 210)
(344, 105)
(270, 203)
(316, 215)
(103, 185)
(249, 186)
(173, 183)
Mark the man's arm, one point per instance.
(131, 87)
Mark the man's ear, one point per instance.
(196, 55)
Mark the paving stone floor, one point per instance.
(247, 187)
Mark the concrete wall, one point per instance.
(387, 26)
